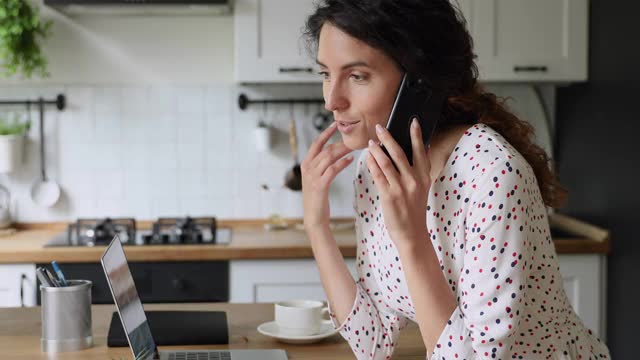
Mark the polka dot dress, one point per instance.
(489, 227)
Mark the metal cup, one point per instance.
(66, 317)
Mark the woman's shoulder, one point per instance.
(483, 152)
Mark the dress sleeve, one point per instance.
(371, 328)
(495, 270)
(372, 333)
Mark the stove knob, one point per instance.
(178, 284)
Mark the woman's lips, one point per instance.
(346, 127)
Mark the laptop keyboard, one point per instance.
(210, 355)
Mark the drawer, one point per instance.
(160, 282)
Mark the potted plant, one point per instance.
(12, 135)
(20, 33)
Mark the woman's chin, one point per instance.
(354, 142)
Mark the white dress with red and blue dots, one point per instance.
(489, 227)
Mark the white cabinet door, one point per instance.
(584, 278)
(17, 285)
(276, 280)
(524, 40)
(466, 8)
(269, 46)
(515, 40)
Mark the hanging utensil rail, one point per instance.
(244, 101)
(60, 102)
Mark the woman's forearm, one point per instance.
(432, 298)
(334, 274)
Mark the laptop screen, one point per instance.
(127, 301)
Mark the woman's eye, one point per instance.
(357, 77)
(324, 74)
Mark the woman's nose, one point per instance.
(334, 98)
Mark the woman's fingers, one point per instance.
(317, 146)
(420, 159)
(377, 174)
(334, 169)
(395, 151)
(383, 162)
(329, 156)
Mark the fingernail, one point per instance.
(371, 143)
(414, 123)
(379, 129)
(350, 157)
(332, 124)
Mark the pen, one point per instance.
(56, 268)
(42, 276)
(52, 279)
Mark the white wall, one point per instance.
(149, 150)
(152, 126)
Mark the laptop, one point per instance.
(134, 320)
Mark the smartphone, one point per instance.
(414, 99)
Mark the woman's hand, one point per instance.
(319, 168)
(403, 192)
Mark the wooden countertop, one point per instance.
(21, 329)
(249, 241)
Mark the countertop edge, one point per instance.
(591, 240)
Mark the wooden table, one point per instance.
(20, 330)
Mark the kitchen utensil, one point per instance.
(262, 137)
(293, 178)
(262, 132)
(321, 120)
(5, 206)
(44, 192)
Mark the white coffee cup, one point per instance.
(300, 317)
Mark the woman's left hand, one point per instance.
(403, 192)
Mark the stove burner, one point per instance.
(92, 232)
(182, 231)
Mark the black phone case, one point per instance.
(414, 99)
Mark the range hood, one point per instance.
(142, 7)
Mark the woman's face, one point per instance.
(360, 84)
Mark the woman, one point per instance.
(459, 241)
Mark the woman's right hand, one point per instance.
(319, 168)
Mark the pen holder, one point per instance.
(66, 317)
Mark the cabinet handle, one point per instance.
(296, 69)
(22, 278)
(530, 68)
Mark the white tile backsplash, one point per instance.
(149, 151)
(192, 183)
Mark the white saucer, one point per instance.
(271, 329)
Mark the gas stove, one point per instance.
(164, 231)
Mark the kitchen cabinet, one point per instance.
(276, 280)
(584, 279)
(17, 285)
(583, 275)
(269, 46)
(515, 40)
(524, 40)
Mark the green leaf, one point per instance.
(21, 31)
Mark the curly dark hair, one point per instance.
(429, 38)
